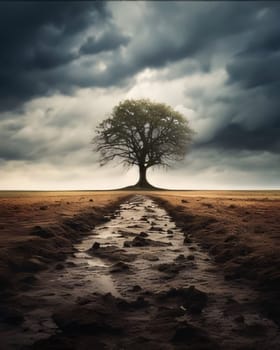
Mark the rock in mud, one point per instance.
(112, 253)
(150, 257)
(137, 242)
(170, 268)
(136, 288)
(190, 257)
(119, 267)
(134, 226)
(195, 300)
(169, 312)
(187, 240)
(180, 257)
(143, 242)
(156, 228)
(192, 299)
(143, 234)
(95, 246)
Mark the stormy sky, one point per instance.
(64, 65)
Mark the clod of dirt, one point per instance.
(165, 312)
(112, 253)
(143, 234)
(41, 232)
(150, 257)
(231, 238)
(156, 228)
(170, 268)
(59, 266)
(180, 257)
(143, 242)
(184, 201)
(193, 299)
(95, 246)
(43, 207)
(10, 315)
(208, 205)
(191, 335)
(187, 240)
(119, 267)
(134, 226)
(139, 303)
(192, 248)
(136, 288)
(93, 319)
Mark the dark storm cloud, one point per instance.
(108, 41)
(252, 104)
(42, 42)
(257, 63)
(47, 48)
(36, 37)
(236, 136)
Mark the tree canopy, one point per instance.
(143, 133)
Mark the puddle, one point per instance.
(85, 274)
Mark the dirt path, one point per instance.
(137, 282)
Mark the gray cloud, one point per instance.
(51, 49)
(42, 41)
(107, 41)
(37, 37)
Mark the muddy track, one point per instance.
(137, 282)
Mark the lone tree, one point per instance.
(143, 133)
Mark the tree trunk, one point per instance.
(142, 182)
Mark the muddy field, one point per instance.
(146, 270)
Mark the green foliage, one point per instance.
(143, 133)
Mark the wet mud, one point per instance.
(136, 282)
